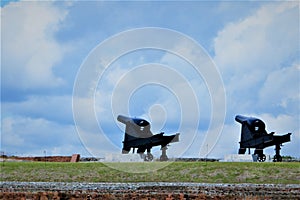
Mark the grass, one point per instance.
(201, 172)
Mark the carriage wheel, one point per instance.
(148, 157)
(261, 158)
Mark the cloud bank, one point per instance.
(30, 49)
(43, 44)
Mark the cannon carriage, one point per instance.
(139, 136)
(254, 135)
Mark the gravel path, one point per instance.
(147, 190)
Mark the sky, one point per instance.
(69, 68)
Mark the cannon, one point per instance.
(138, 135)
(254, 135)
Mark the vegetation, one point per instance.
(201, 172)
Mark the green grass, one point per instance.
(201, 172)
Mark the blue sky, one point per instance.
(254, 46)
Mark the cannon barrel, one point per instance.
(255, 124)
(241, 118)
(124, 119)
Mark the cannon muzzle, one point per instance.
(123, 119)
(241, 118)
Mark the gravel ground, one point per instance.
(146, 190)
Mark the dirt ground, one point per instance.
(149, 191)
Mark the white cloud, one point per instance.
(8, 136)
(84, 114)
(53, 108)
(250, 50)
(254, 56)
(98, 144)
(170, 85)
(29, 136)
(281, 123)
(29, 49)
(259, 42)
(281, 89)
(228, 142)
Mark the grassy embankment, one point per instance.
(201, 172)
